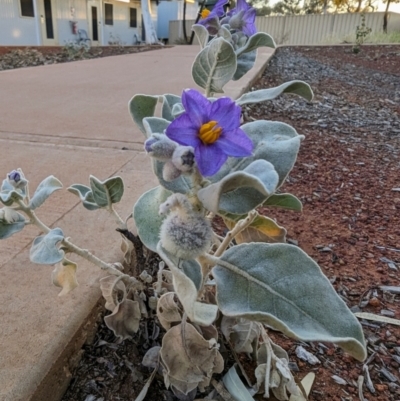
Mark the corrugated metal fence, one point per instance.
(306, 29)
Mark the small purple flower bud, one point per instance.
(17, 179)
(14, 176)
(183, 158)
(160, 147)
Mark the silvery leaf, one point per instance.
(214, 66)
(284, 201)
(235, 386)
(167, 108)
(85, 195)
(259, 39)
(44, 190)
(107, 192)
(241, 191)
(225, 33)
(177, 110)
(9, 194)
(191, 268)
(141, 106)
(198, 312)
(147, 220)
(275, 142)
(44, 248)
(155, 125)
(202, 34)
(279, 285)
(11, 222)
(296, 87)
(245, 63)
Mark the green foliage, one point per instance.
(44, 249)
(281, 286)
(260, 280)
(362, 32)
(214, 66)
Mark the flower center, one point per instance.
(205, 13)
(209, 132)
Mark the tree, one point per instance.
(385, 16)
(262, 7)
(313, 6)
(291, 7)
(354, 6)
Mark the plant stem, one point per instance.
(121, 223)
(84, 253)
(239, 227)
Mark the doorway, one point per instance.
(48, 22)
(94, 22)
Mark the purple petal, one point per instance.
(183, 131)
(196, 106)
(226, 113)
(235, 143)
(209, 159)
(218, 8)
(249, 17)
(242, 5)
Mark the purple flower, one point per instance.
(212, 129)
(242, 18)
(210, 19)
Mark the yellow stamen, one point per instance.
(205, 13)
(209, 133)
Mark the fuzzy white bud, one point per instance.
(185, 233)
(160, 147)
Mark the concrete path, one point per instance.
(72, 120)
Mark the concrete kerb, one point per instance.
(42, 334)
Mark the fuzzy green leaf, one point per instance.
(155, 125)
(281, 286)
(275, 142)
(9, 194)
(214, 66)
(241, 191)
(44, 248)
(141, 106)
(201, 34)
(260, 39)
(167, 108)
(85, 195)
(245, 63)
(11, 222)
(107, 192)
(235, 386)
(284, 201)
(296, 87)
(44, 190)
(147, 220)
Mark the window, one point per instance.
(133, 20)
(27, 8)
(108, 8)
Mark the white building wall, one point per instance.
(25, 31)
(121, 23)
(14, 29)
(67, 11)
